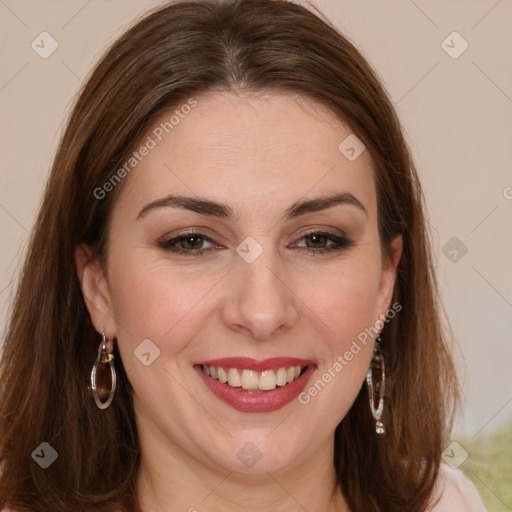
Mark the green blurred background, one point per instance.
(489, 466)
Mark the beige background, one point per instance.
(457, 114)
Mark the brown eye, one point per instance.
(193, 242)
(317, 239)
(190, 244)
(317, 242)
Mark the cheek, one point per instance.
(153, 301)
(345, 311)
(166, 307)
(344, 305)
(344, 300)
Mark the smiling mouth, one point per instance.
(253, 380)
(256, 386)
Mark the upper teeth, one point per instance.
(251, 379)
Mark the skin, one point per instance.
(258, 154)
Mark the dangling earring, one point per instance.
(104, 358)
(376, 385)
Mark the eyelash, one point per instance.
(339, 243)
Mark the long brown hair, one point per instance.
(183, 49)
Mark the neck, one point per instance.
(174, 481)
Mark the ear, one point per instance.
(391, 260)
(95, 291)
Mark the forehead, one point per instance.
(247, 149)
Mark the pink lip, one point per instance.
(253, 364)
(249, 401)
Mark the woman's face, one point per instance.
(266, 277)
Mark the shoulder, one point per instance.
(456, 492)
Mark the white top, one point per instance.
(459, 494)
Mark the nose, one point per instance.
(261, 302)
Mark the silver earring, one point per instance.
(103, 358)
(375, 379)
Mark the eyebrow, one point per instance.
(211, 208)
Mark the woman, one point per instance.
(228, 300)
